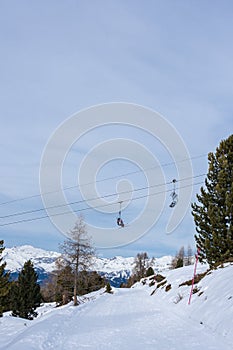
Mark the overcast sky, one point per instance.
(59, 57)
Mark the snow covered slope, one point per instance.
(135, 319)
(116, 270)
(211, 304)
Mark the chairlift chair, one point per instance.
(120, 222)
(174, 195)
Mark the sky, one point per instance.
(61, 57)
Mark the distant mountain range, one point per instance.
(116, 270)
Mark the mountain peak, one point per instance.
(116, 269)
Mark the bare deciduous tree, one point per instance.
(178, 260)
(141, 265)
(78, 252)
(189, 255)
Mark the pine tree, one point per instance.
(26, 293)
(108, 288)
(150, 272)
(90, 281)
(59, 285)
(4, 281)
(64, 285)
(213, 216)
(179, 263)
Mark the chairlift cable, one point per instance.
(90, 208)
(95, 198)
(101, 180)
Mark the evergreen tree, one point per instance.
(108, 288)
(4, 281)
(26, 293)
(150, 272)
(179, 263)
(64, 285)
(90, 281)
(59, 286)
(214, 213)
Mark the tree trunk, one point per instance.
(75, 288)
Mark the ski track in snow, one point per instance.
(128, 319)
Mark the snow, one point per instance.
(135, 319)
(115, 270)
(16, 257)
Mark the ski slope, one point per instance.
(133, 319)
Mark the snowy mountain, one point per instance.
(142, 317)
(15, 258)
(43, 261)
(116, 270)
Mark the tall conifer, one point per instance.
(26, 293)
(4, 281)
(214, 214)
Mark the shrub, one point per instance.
(108, 288)
(197, 279)
(150, 272)
(159, 278)
(196, 290)
(162, 283)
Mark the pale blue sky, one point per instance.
(58, 57)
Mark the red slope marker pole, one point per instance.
(194, 275)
